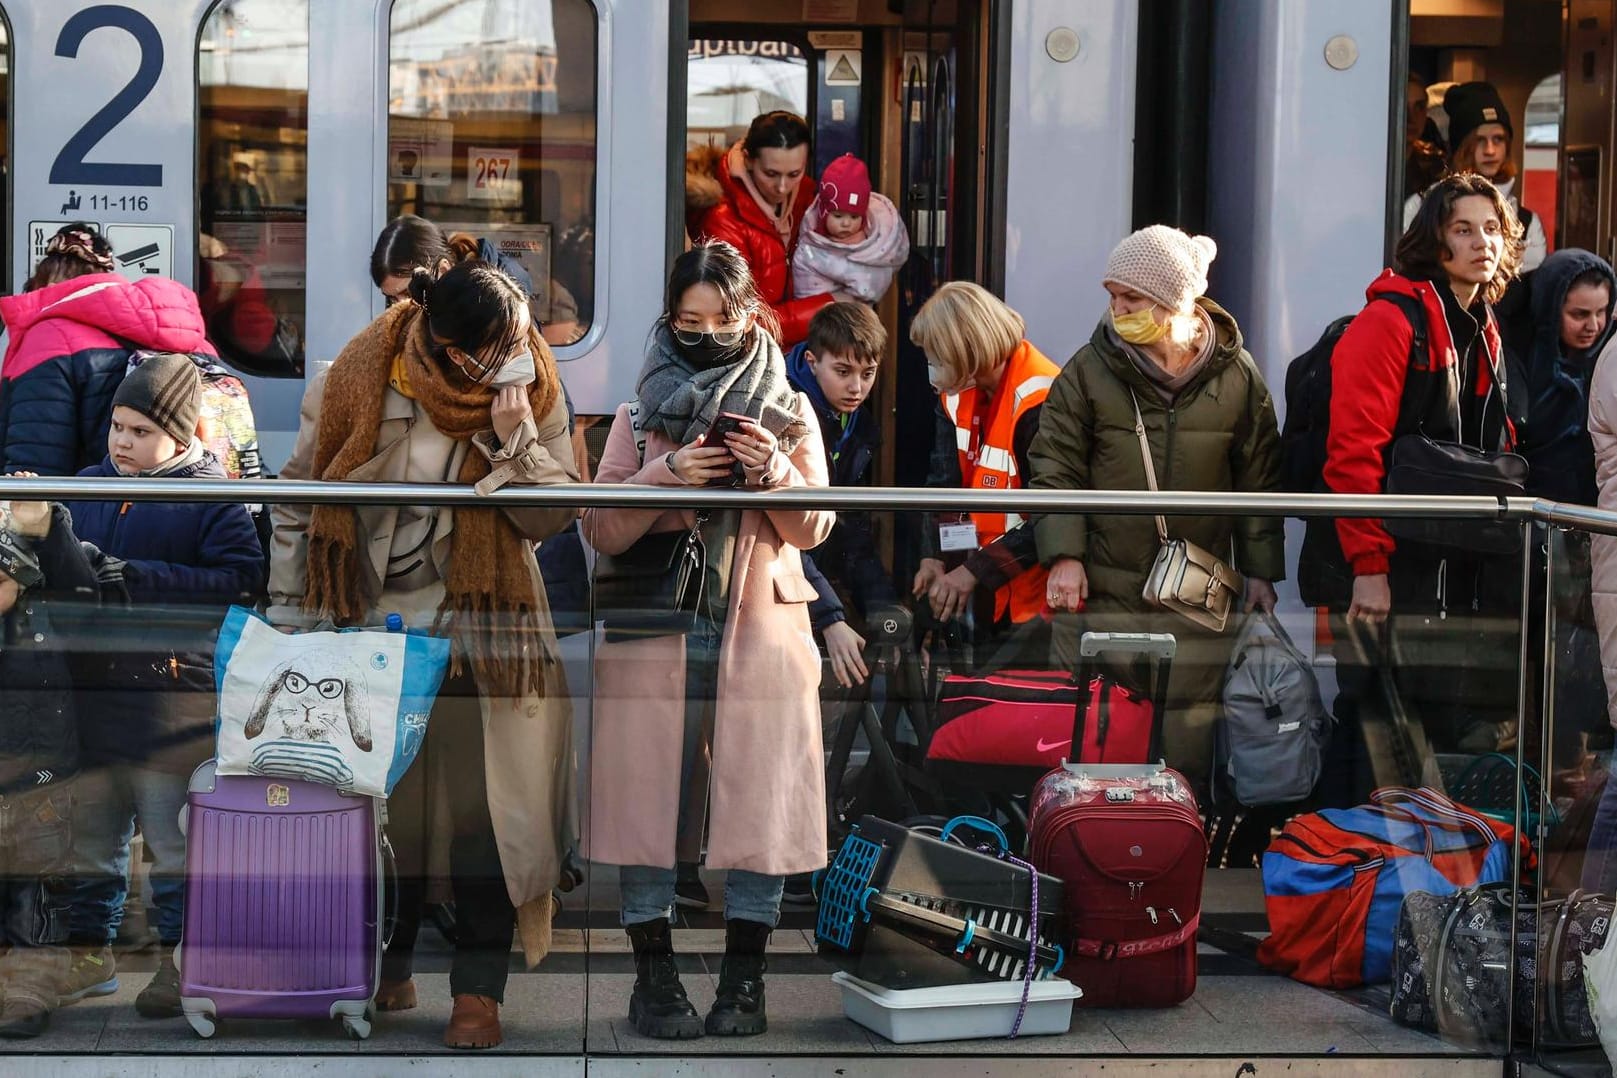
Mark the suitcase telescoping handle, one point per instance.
(1160, 646)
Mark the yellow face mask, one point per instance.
(1139, 327)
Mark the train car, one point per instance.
(254, 149)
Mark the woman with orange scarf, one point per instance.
(454, 387)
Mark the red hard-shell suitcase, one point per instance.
(1126, 840)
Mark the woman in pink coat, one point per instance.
(724, 719)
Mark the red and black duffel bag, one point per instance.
(1003, 731)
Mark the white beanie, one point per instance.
(1163, 264)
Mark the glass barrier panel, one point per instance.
(352, 836)
(882, 674)
(1568, 793)
(252, 159)
(622, 815)
(491, 134)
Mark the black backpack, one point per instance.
(1308, 400)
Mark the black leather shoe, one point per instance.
(659, 1007)
(738, 1011)
(161, 997)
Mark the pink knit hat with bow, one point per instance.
(845, 186)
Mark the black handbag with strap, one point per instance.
(1421, 465)
(655, 587)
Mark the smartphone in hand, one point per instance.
(726, 424)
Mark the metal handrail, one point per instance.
(626, 496)
(891, 499)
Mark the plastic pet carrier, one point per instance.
(902, 909)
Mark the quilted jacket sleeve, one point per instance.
(42, 431)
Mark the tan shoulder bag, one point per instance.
(1185, 578)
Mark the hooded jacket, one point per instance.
(1549, 388)
(70, 345)
(39, 737)
(737, 220)
(1219, 434)
(864, 269)
(1379, 392)
(147, 694)
(849, 555)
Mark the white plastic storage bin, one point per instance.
(957, 1012)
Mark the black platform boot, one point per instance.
(658, 1007)
(738, 1011)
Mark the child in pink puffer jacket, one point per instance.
(853, 239)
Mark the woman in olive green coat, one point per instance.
(1211, 426)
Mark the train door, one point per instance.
(897, 87)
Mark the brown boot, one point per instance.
(395, 995)
(474, 1023)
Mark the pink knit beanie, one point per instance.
(1163, 264)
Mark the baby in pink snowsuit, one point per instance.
(852, 240)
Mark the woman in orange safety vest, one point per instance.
(991, 386)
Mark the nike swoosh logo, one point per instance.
(1046, 746)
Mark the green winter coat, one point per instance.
(1219, 435)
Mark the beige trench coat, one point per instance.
(767, 792)
(528, 752)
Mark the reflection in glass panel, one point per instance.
(253, 67)
(733, 81)
(922, 718)
(491, 133)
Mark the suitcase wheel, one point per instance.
(357, 1028)
(203, 1024)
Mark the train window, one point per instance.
(491, 133)
(252, 174)
(732, 81)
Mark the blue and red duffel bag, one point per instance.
(1334, 881)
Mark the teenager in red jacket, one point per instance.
(766, 190)
(1458, 256)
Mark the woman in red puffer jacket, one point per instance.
(766, 190)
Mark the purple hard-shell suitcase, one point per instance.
(283, 902)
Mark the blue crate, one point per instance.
(844, 888)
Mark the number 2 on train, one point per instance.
(70, 165)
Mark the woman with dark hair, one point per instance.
(70, 337)
(409, 243)
(764, 190)
(1457, 258)
(723, 721)
(452, 386)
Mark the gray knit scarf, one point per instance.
(682, 401)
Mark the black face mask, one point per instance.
(707, 353)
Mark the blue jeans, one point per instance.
(107, 801)
(648, 891)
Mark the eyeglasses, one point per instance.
(724, 338)
(330, 687)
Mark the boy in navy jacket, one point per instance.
(836, 367)
(147, 697)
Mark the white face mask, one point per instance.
(939, 378)
(517, 371)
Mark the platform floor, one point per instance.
(576, 1004)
